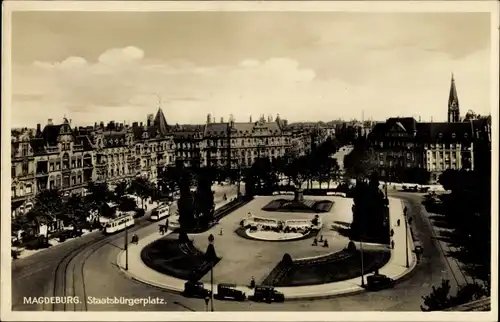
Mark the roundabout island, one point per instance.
(302, 252)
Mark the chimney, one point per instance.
(95, 125)
(141, 124)
(222, 120)
(135, 124)
(49, 122)
(70, 121)
(38, 128)
(251, 119)
(209, 118)
(101, 125)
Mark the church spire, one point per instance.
(453, 105)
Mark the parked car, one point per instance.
(377, 282)
(267, 294)
(418, 247)
(195, 289)
(228, 291)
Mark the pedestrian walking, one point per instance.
(392, 232)
(326, 243)
(399, 222)
(220, 232)
(392, 244)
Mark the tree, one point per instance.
(127, 204)
(204, 198)
(120, 190)
(75, 211)
(438, 299)
(48, 206)
(142, 188)
(186, 201)
(97, 197)
(358, 163)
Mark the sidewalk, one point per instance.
(395, 268)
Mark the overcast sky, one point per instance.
(304, 66)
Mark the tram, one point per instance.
(160, 212)
(120, 223)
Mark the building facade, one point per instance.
(65, 158)
(404, 149)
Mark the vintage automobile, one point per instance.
(228, 291)
(377, 282)
(267, 294)
(195, 289)
(418, 247)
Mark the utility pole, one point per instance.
(406, 234)
(126, 247)
(362, 263)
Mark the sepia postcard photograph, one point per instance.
(249, 161)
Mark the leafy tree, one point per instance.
(98, 197)
(120, 190)
(438, 299)
(75, 211)
(48, 206)
(358, 163)
(204, 198)
(370, 212)
(127, 204)
(142, 188)
(185, 203)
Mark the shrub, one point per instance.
(351, 247)
(287, 259)
(40, 242)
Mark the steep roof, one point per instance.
(160, 122)
(215, 129)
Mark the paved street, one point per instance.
(103, 278)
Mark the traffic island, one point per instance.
(180, 259)
(237, 252)
(339, 266)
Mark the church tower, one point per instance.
(453, 106)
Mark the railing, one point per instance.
(42, 173)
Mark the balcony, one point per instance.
(26, 175)
(41, 174)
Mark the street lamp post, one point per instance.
(405, 213)
(211, 240)
(362, 264)
(126, 247)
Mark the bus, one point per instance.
(160, 212)
(119, 223)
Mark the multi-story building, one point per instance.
(402, 145)
(64, 158)
(234, 145)
(56, 158)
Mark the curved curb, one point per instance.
(354, 290)
(305, 297)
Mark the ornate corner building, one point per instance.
(403, 149)
(66, 158)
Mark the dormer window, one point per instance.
(440, 135)
(466, 135)
(453, 135)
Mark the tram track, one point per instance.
(69, 277)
